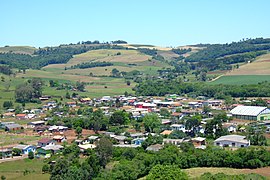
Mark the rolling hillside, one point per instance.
(249, 73)
(18, 49)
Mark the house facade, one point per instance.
(232, 141)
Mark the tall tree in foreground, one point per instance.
(104, 151)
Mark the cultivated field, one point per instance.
(241, 79)
(259, 67)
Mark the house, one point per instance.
(155, 147)
(166, 121)
(25, 148)
(144, 105)
(21, 116)
(194, 105)
(199, 142)
(172, 141)
(177, 115)
(3, 124)
(178, 127)
(55, 128)
(44, 98)
(120, 139)
(45, 142)
(13, 127)
(35, 124)
(251, 113)
(85, 100)
(232, 141)
(59, 138)
(136, 135)
(92, 139)
(49, 149)
(230, 127)
(8, 114)
(7, 152)
(126, 145)
(31, 116)
(40, 129)
(84, 147)
(138, 141)
(71, 104)
(166, 132)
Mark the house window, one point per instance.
(242, 145)
(233, 144)
(218, 144)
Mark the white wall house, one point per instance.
(178, 127)
(232, 141)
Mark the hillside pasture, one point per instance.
(108, 55)
(241, 79)
(18, 49)
(57, 75)
(168, 55)
(261, 66)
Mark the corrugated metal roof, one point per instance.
(248, 110)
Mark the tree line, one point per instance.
(91, 65)
(163, 87)
(215, 51)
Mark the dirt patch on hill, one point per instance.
(265, 171)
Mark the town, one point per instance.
(132, 122)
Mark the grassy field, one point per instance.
(14, 170)
(8, 139)
(197, 172)
(241, 79)
(18, 49)
(259, 67)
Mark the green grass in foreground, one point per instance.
(14, 169)
(241, 79)
(197, 172)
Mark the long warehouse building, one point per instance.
(251, 113)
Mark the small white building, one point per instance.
(178, 127)
(232, 141)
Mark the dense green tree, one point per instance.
(165, 112)
(120, 117)
(7, 104)
(31, 155)
(78, 131)
(151, 122)
(37, 84)
(177, 135)
(24, 93)
(104, 151)
(16, 152)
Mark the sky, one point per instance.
(165, 23)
